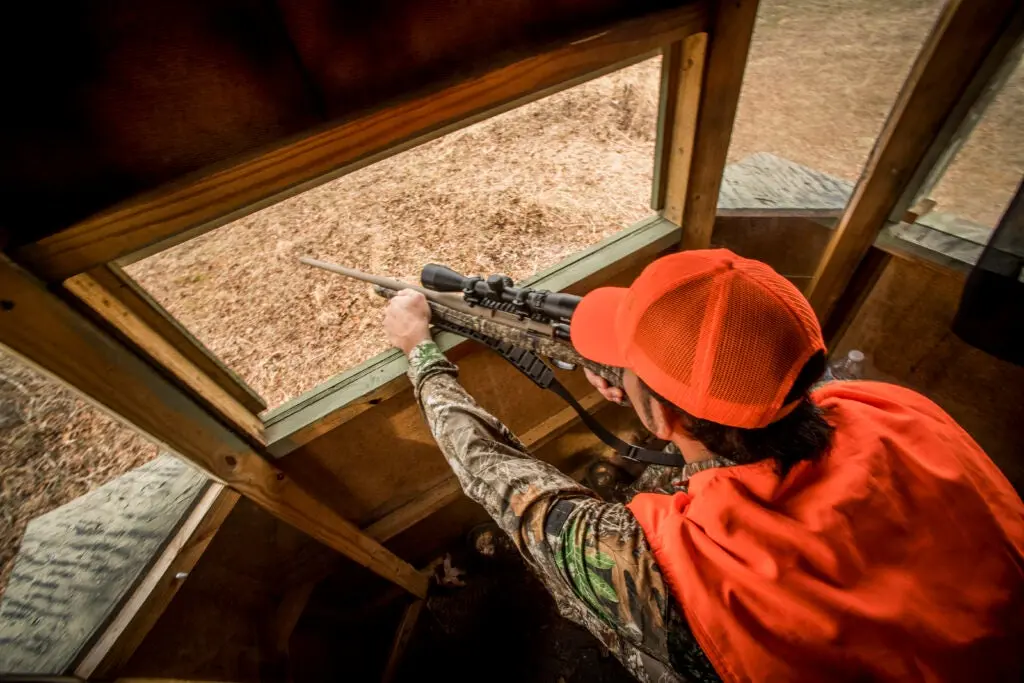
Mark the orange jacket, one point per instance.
(899, 555)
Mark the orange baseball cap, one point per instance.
(720, 336)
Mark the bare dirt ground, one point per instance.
(512, 194)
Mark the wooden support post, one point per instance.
(147, 602)
(957, 47)
(41, 328)
(701, 164)
(402, 636)
(110, 307)
(863, 281)
(682, 73)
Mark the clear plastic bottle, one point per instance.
(849, 367)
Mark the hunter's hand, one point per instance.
(613, 394)
(407, 320)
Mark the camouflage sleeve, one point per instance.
(658, 478)
(591, 555)
(492, 465)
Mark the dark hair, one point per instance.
(804, 434)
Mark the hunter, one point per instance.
(845, 530)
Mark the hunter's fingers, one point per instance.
(410, 294)
(410, 300)
(597, 380)
(610, 393)
(613, 394)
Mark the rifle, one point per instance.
(518, 323)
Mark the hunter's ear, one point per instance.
(659, 420)
(664, 422)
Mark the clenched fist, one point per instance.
(407, 320)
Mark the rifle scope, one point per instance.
(500, 289)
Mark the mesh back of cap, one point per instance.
(669, 330)
(758, 336)
(758, 345)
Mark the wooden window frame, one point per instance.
(117, 347)
(966, 45)
(154, 221)
(72, 312)
(989, 80)
(120, 349)
(368, 384)
(86, 259)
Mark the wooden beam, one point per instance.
(402, 636)
(150, 598)
(39, 327)
(204, 202)
(136, 299)
(685, 92)
(445, 492)
(956, 48)
(112, 309)
(725, 62)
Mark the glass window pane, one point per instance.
(512, 194)
(822, 77)
(54, 447)
(983, 176)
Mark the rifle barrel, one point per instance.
(385, 282)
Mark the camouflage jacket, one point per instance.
(592, 555)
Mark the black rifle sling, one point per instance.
(528, 363)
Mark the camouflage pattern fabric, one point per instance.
(591, 555)
(669, 480)
(541, 344)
